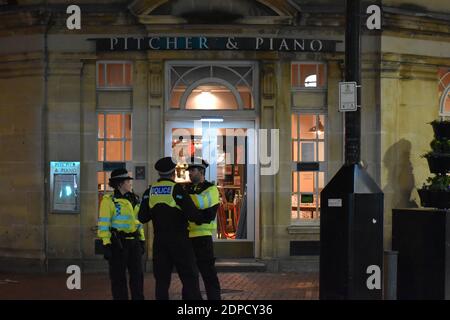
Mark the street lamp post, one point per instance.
(351, 218)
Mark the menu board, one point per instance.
(65, 192)
(65, 186)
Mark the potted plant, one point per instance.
(439, 157)
(436, 193)
(441, 128)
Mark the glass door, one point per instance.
(229, 148)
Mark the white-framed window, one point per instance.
(444, 90)
(114, 136)
(114, 75)
(114, 141)
(212, 85)
(308, 75)
(308, 134)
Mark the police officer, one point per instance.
(123, 237)
(206, 197)
(169, 207)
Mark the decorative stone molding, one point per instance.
(409, 67)
(155, 77)
(285, 13)
(268, 81)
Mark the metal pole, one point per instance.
(353, 73)
(390, 275)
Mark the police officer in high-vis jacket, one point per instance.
(206, 197)
(169, 207)
(123, 237)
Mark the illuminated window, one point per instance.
(308, 134)
(205, 86)
(114, 137)
(114, 75)
(102, 184)
(444, 91)
(114, 143)
(308, 75)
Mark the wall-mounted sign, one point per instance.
(64, 186)
(139, 172)
(214, 43)
(348, 96)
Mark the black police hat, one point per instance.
(120, 174)
(198, 163)
(165, 165)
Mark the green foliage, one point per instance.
(440, 146)
(440, 182)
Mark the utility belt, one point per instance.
(119, 237)
(124, 235)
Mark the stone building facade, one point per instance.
(85, 96)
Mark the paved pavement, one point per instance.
(235, 286)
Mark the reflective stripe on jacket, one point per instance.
(117, 213)
(207, 198)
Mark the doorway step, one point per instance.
(240, 265)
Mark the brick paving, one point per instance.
(235, 286)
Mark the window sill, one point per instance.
(309, 89)
(106, 89)
(310, 228)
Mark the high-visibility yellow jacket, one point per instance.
(206, 197)
(118, 213)
(169, 207)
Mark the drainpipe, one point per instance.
(44, 136)
(81, 242)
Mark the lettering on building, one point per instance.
(214, 43)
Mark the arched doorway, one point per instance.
(211, 113)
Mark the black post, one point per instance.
(353, 73)
(351, 213)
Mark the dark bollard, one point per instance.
(390, 275)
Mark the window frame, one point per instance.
(445, 95)
(104, 139)
(323, 165)
(123, 137)
(254, 88)
(113, 88)
(309, 62)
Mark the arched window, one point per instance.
(444, 88)
(215, 86)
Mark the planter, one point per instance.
(438, 163)
(434, 199)
(441, 129)
(421, 237)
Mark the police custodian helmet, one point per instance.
(198, 163)
(119, 175)
(165, 165)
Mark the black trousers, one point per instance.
(128, 257)
(167, 253)
(204, 253)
